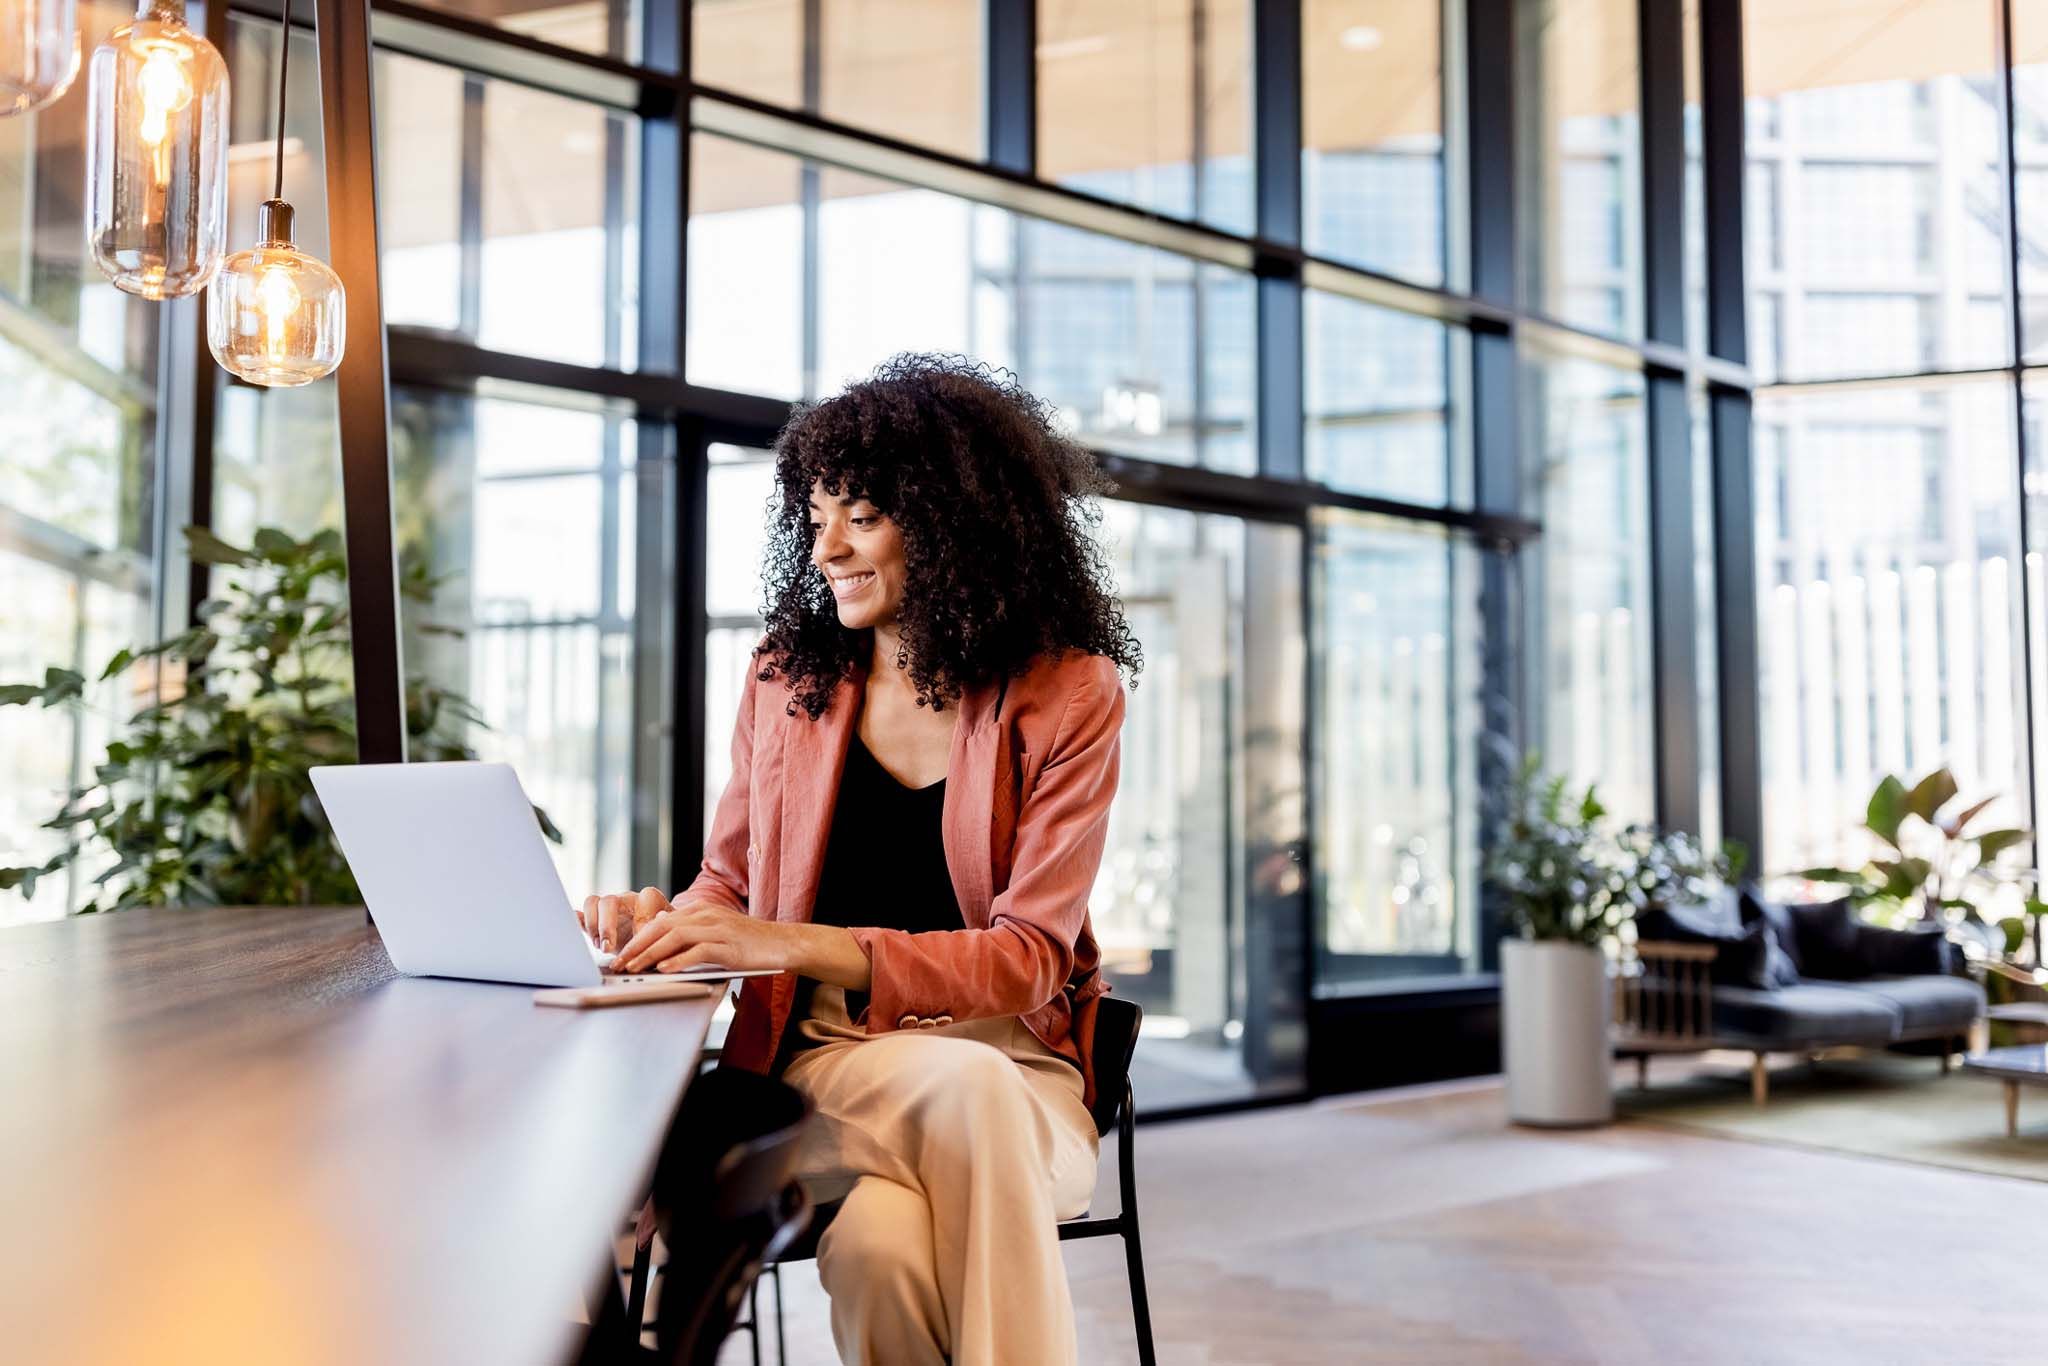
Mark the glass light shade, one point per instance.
(38, 52)
(156, 155)
(276, 316)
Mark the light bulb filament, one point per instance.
(164, 88)
(277, 300)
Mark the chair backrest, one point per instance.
(726, 1198)
(1116, 1040)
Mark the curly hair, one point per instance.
(995, 508)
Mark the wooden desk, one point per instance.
(237, 1135)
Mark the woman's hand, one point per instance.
(612, 920)
(671, 938)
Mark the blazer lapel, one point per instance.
(975, 768)
(814, 757)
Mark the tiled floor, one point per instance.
(1419, 1228)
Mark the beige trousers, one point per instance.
(956, 1149)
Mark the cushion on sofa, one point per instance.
(1829, 940)
(1929, 1002)
(1743, 952)
(1904, 953)
(1811, 1013)
(1757, 906)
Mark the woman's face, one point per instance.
(860, 552)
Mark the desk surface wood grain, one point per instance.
(237, 1135)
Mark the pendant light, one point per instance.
(156, 155)
(38, 52)
(275, 315)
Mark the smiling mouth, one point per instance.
(845, 586)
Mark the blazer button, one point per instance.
(943, 1020)
(926, 1023)
(907, 1022)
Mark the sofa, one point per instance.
(1741, 971)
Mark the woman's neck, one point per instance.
(888, 643)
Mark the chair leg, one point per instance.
(754, 1319)
(1759, 1080)
(1134, 1250)
(636, 1302)
(781, 1348)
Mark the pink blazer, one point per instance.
(1028, 789)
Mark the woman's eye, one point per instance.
(866, 521)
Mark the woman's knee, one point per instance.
(882, 1233)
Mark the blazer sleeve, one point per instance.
(726, 867)
(1025, 956)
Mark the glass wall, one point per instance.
(1888, 571)
(1876, 237)
(1372, 116)
(1579, 178)
(803, 279)
(1586, 477)
(1148, 102)
(80, 552)
(1399, 716)
(1378, 403)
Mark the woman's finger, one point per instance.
(613, 923)
(586, 916)
(695, 956)
(649, 904)
(665, 940)
(647, 934)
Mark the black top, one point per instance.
(885, 866)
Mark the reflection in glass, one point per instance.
(1142, 351)
(1398, 713)
(610, 28)
(2030, 157)
(1170, 902)
(1372, 166)
(1876, 238)
(910, 69)
(526, 513)
(509, 214)
(1579, 180)
(1148, 102)
(1888, 606)
(1586, 478)
(1377, 401)
(78, 379)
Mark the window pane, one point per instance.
(1372, 166)
(1587, 481)
(1142, 351)
(1149, 102)
(610, 28)
(1378, 401)
(1398, 710)
(1888, 611)
(1579, 181)
(78, 550)
(910, 69)
(739, 484)
(509, 214)
(2030, 143)
(527, 512)
(1877, 237)
(1169, 905)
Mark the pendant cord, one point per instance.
(284, 67)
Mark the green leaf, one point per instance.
(1992, 843)
(121, 660)
(207, 548)
(275, 546)
(1887, 808)
(19, 694)
(547, 827)
(1931, 793)
(2015, 928)
(1843, 876)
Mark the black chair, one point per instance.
(726, 1203)
(1116, 1040)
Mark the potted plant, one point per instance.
(207, 798)
(1562, 897)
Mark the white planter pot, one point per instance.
(1555, 1006)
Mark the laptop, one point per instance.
(452, 865)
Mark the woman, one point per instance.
(922, 771)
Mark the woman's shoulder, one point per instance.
(1054, 687)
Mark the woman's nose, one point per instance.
(827, 545)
